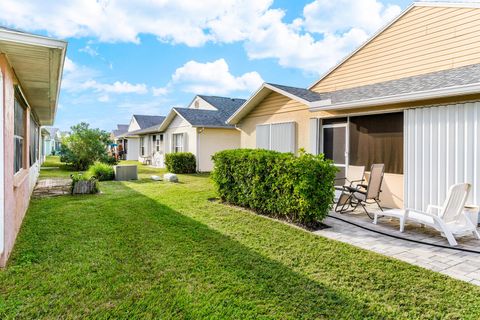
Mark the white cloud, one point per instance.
(325, 32)
(213, 78)
(161, 91)
(89, 50)
(116, 87)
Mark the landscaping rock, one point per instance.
(171, 177)
(155, 178)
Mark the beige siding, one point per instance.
(211, 141)
(425, 39)
(178, 125)
(273, 109)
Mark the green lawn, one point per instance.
(149, 249)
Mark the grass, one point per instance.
(146, 249)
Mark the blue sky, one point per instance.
(145, 57)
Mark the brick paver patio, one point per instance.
(457, 264)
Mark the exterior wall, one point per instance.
(18, 187)
(211, 141)
(178, 125)
(273, 109)
(425, 39)
(133, 149)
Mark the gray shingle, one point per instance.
(304, 94)
(429, 81)
(148, 121)
(204, 118)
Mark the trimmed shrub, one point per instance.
(181, 162)
(101, 171)
(299, 189)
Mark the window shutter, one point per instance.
(184, 142)
(263, 136)
(283, 137)
(314, 136)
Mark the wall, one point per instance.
(426, 39)
(178, 125)
(442, 148)
(133, 149)
(17, 188)
(214, 140)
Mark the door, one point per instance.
(335, 146)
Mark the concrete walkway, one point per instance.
(52, 187)
(457, 264)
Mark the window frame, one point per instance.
(142, 147)
(20, 102)
(175, 147)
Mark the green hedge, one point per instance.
(181, 162)
(300, 189)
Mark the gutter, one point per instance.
(400, 98)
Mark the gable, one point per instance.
(276, 103)
(425, 39)
(178, 122)
(199, 103)
(133, 125)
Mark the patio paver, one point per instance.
(457, 264)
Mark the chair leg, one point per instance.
(476, 234)
(450, 238)
(378, 204)
(402, 224)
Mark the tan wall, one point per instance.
(426, 39)
(17, 187)
(273, 109)
(211, 141)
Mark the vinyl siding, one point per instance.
(425, 39)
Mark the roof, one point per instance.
(302, 93)
(204, 118)
(450, 82)
(121, 129)
(38, 63)
(145, 121)
(445, 4)
(224, 104)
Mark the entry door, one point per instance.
(335, 146)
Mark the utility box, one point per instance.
(126, 172)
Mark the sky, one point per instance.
(147, 56)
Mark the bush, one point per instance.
(181, 162)
(110, 160)
(101, 171)
(300, 189)
(84, 146)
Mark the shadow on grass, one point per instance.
(130, 256)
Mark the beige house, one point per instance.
(409, 97)
(201, 129)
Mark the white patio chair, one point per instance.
(449, 218)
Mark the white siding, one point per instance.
(442, 147)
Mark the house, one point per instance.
(30, 74)
(132, 138)
(119, 141)
(52, 141)
(201, 129)
(409, 97)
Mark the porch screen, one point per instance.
(377, 139)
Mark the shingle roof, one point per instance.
(425, 82)
(148, 121)
(204, 118)
(121, 129)
(304, 94)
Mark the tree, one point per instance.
(84, 146)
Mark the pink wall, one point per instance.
(17, 191)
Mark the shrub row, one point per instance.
(298, 188)
(180, 162)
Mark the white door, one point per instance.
(335, 146)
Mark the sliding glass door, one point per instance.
(335, 145)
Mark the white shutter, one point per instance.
(314, 136)
(283, 137)
(263, 136)
(442, 147)
(184, 142)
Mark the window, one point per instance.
(278, 136)
(177, 142)
(377, 139)
(33, 141)
(142, 147)
(19, 134)
(157, 143)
